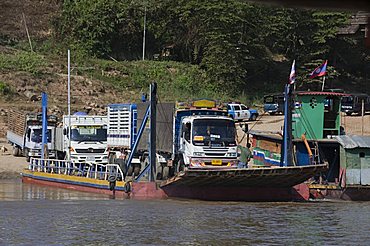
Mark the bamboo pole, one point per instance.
(28, 35)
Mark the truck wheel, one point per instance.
(111, 158)
(254, 117)
(15, 151)
(165, 172)
(180, 165)
(159, 175)
(137, 170)
(130, 170)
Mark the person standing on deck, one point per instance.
(245, 155)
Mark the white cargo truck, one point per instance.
(25, 134)
(88, 139)
(122, 128)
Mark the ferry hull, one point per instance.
(272, 184)
(357, 193)
(249, 194)
(141, 190)
(150, 190)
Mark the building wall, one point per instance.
(308, 117)
(357, 168)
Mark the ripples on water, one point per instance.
(39, 215)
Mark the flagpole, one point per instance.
(323, 83)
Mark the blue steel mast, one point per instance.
(44, 143)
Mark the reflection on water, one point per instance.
(34, 215)
(11, 190)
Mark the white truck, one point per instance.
(88, 139)
(122, 131)
(199, 135)
(25, 134)
(204, 137)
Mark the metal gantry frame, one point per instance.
(150, 112)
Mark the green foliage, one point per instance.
(23, 61)
(4, 88)
(240, 47)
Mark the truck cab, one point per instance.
(239, 111)
(204, 138)
(33, 141)
(88, 139)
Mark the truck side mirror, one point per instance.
(65, 131)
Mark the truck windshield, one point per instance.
(212, 131)
(36, 136)
(269, 99)
(89, 133)
(347, 100)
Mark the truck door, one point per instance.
(245, 112)
(185, 146)
(237, 111)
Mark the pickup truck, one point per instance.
(239, 111)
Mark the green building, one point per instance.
(355, 159)
(316, 114)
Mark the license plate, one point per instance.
(90, 158)
(216, 162)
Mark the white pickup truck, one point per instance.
(239, 111)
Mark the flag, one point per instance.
(319, 71)
(292, 74)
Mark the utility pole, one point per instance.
(144, 33)
(69, 105)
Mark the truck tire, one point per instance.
(111, 158)
(14, 151)
(17, 151)
(165, 172)
(27, 154)
(180, 165)
(137, 169)
(130, 170)
(254, 117)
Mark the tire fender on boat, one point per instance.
(128, 187)
(112, 182)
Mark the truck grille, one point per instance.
(219, 151)
(90, 150)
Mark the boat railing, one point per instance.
(87, 169)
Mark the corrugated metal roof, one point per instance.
(324, 93)
(354, 141)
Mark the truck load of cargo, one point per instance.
(25, 131)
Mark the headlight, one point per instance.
(234, 154)
(198, 153)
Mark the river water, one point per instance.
(39, 215)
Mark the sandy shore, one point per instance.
(10, 166)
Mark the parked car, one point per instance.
(239, 111)
(352, 104)
(274, 104)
